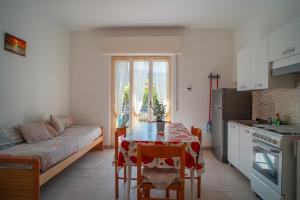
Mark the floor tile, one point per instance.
(66, 193)
(92, 178)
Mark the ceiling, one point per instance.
(92, 14)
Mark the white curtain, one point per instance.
(160, 81)
(121, 80)
(141, 70)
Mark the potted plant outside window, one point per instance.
(159, 111)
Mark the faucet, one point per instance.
(271, 111)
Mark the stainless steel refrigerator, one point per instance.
(227, 104)
(298, 170)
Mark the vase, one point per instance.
(160, 126)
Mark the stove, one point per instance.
(273, 166)
(275, 135)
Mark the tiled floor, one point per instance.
(92, 178)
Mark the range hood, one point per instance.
(287, 65)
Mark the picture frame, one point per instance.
(14, 44)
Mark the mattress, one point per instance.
(52, 151)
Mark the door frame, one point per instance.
(112, 86)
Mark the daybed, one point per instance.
(25, 167)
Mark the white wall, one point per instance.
(204, 51)
(34, 86)
(89, 81)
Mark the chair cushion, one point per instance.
(52, 151)
(160, 178)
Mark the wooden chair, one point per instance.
(119, 132)
(153, 121)
(159, 151)
(197, 132)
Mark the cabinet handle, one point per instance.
(288, 51)
(243, 87)
(258, 85)
(232, 126)
(275, 151)
(246, 131)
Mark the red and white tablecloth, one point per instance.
(174, 134)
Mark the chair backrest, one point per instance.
(119, 132)
(197, 132)
(160, 151)
(153, 121)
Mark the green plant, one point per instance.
(145, 98)
(126, 95)
(159, 111)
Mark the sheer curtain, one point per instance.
(160, 81)
(121, 80)
(141, 70)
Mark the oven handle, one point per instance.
(267, 147)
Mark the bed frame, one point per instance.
(24, 184)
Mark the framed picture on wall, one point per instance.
(14, 44)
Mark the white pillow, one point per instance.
(66, 121)
(34, 132)
(56, 122)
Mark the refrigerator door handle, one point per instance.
(295, 149)
(216, 107)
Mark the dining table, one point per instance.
(173, 134)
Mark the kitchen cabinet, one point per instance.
(233, 144)
(285, 42)
(244, 69)
(253, 66)
(259, 65)
(253, 69)
(246, 149)
(240, 150)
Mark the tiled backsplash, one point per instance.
(286, 102)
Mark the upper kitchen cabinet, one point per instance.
(244, 69)
(253, 69)
(252, 66)
(259, 64)
(284, 48)
(285, 41)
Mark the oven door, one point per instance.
(267, 163)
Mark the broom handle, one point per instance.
(210, 93)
